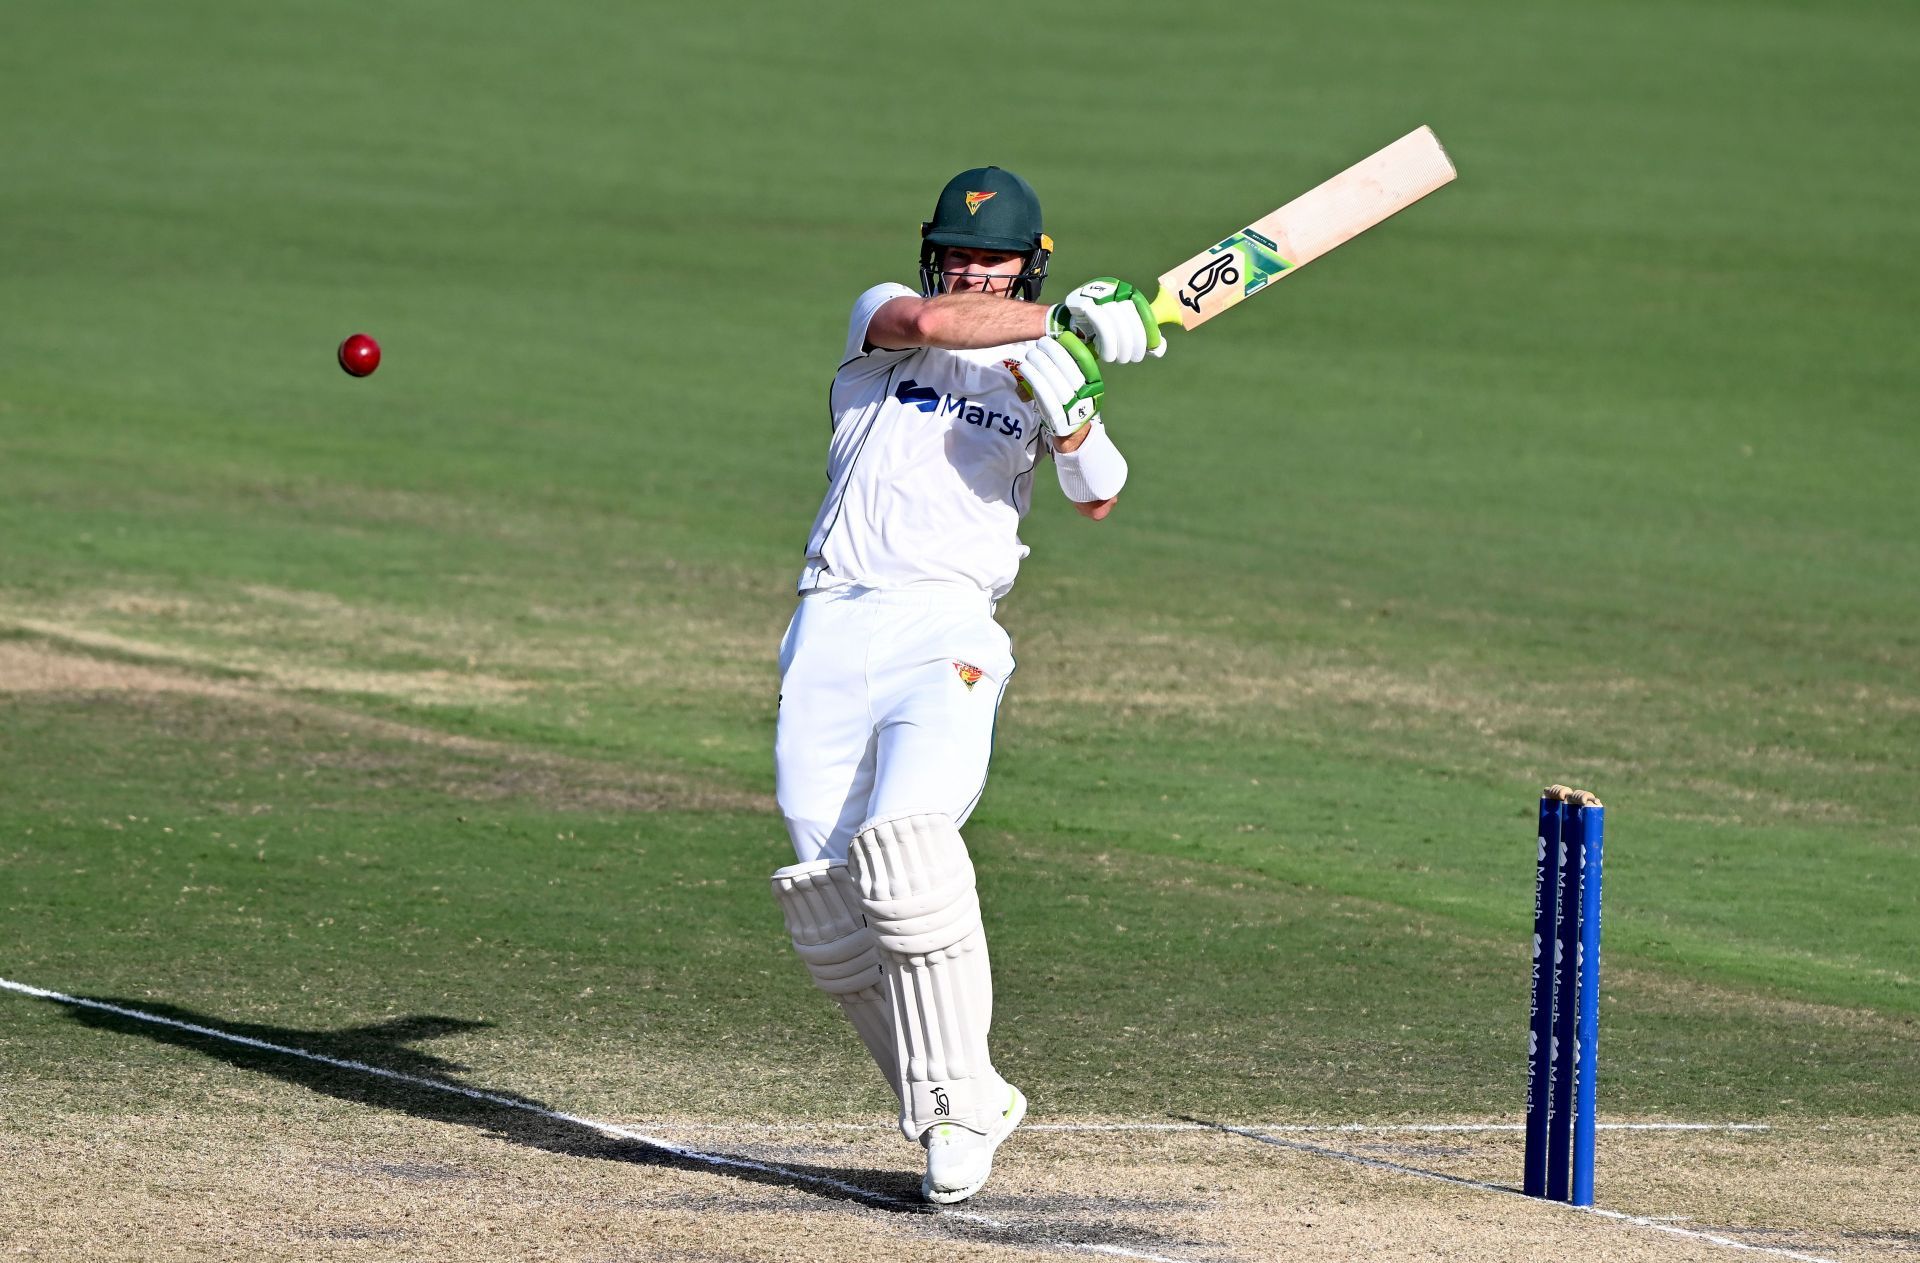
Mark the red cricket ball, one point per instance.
(359, 355)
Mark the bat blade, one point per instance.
(1278, 245)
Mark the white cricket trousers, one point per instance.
(887, 704)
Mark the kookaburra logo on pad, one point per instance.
(974, 200)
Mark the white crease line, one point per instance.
(1289, 1128)
(1382, 1164)
(440, 1085)
(605, 1129)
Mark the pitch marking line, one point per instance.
(873, 1197)
(1265, 1128)
(869, 1196)
(1382, 1164)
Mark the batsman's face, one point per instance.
(965, 270)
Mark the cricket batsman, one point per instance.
(893, 667)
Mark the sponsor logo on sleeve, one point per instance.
(968, 673)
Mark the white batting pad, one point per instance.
(830, 934)
(916, 885)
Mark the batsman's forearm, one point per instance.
(965, 322)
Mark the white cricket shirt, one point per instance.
(930, 468)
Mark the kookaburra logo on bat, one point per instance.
(1221, 270)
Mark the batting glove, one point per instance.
(1062, 379)
(1114, 318)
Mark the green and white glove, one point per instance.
(1062, 378)
(1114, 318)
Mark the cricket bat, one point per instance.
(1280, 244)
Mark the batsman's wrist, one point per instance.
(1095, 470)
(1064, 443)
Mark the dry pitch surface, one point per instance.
(290, 1157)
(278, 1156)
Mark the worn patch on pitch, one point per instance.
(202, 1148)
(258, 722)
(310, 640)
(425, 687)
(1384, 708)
(265, 1170)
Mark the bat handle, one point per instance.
(1166, 307)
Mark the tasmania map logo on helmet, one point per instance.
(974, 198)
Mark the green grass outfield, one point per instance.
(1597, 467)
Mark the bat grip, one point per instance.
(1166, 307)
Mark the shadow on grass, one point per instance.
(387, 1047)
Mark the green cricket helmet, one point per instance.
(987, 208)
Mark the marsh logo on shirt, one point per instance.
(968, 673)
(930, 401)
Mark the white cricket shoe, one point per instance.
(958, 1160)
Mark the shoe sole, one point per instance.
(1009, 1120)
